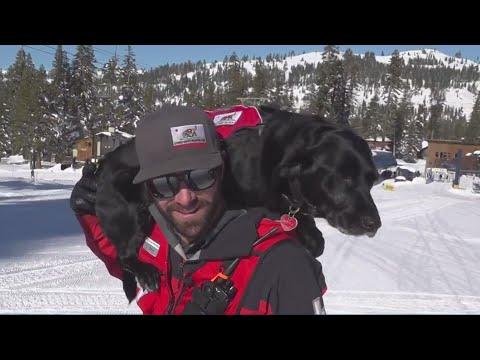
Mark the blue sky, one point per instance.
(154, 55)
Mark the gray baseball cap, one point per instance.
(176, 139)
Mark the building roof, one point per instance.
(457, 142)
(121, 133)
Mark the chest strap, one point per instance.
(216, 294)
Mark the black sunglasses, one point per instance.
(169, 185)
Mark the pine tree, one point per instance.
(108, 96)
(24, 105)
(391, 94)
(131, 107)
(412, 137)
(400, 119)
(261, 83)
(236, 86)
(473, 127)
(219, 98)
(209, 96)
(5, 123)
(410, 128)
(82, 122)
(317, 99)
(280, 93)
(347, 85)
(373, 116)
(149, 98)
(327, 97)
(60, 103)
(45, 122)
(437, 99)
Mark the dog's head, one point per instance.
(328, 170)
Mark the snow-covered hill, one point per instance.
(458, 96)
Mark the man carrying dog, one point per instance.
(211, 259)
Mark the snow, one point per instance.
(378, 139)
(45, 266)
(456, 98)
(14, 159)
(423, 260)
(406, 167)
(456, 63)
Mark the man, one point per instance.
(212, 260)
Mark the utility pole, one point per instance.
(394, 142)
(458, 166)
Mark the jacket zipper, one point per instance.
(182, 285)
(168, 278)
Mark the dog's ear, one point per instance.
(294, 158)
(268, 109)
(290, 171)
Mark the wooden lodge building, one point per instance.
(94, 147)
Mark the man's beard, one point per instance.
(191, 230)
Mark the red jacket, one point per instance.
(277, 277)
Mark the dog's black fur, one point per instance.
(330, 166)
(325, 170)
(122, 210)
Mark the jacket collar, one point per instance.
(232, 237)
(236, 238)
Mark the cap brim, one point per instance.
(204, 161)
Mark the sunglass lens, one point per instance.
(203, 179)
(161, 187)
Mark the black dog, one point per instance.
(325, 170)
(293, 161)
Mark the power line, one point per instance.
(99, 50)
(46, 52)
(115, 54)
(104, 51)
(49, 53)
(31, 47)
(73, 55)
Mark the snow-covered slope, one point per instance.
(460, 98)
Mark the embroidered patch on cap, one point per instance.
(188, 135)
(151, 246)
(227, 119)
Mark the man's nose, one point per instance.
(185, 196)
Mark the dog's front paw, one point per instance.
(148, 277)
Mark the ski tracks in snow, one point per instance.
(373, 302)
(60, 285)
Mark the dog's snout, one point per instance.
(370, 223)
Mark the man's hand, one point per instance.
(82, 199)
